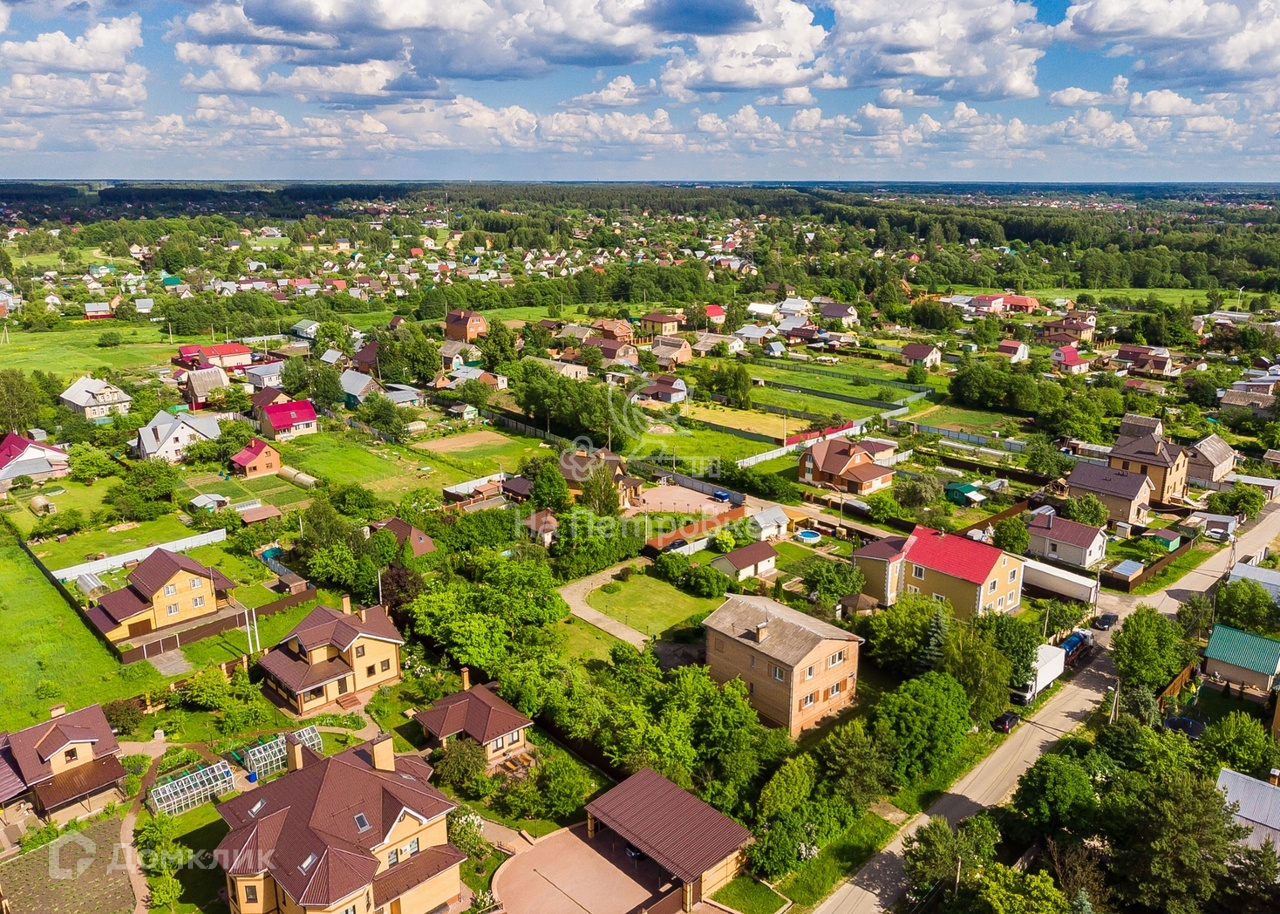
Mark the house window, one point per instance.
(835, 659)
(412, 848)
(808, 674)
(753, 661)
(1125, 465)
(917, 572)
(70, 755)
(497, 744)
(911, 588)
(313, 695)
(513, 737)
(991, 588)
(1053, 548)
(777, 673)
(1000, 603)
(1013, 575)
(938, 598)
(386, 665)
(194, 583)
(171, 609)
(836, 688)
(807, 701)
(370, 671)
(197, 602)
(349, 909)
(250, 894)
(170, 589)
(359, 650)
(393, 857)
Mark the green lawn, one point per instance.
(75, 496)
(74, 351)
(91, 543)
(686, 444)
(650, 606)
(973, 421)
(200, 829)
(348, 458)
(748, 896)
(585, 640)
(272, 490)
(234, 643)
(791, 554)
(814, 879)
(51, 654)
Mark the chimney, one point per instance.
(346, 604)
(1274, 777)
(384, 754)
(466, 679)
(293, 752)
(57, 711)
(762, 631)
(363, 614)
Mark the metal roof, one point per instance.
(1242, 649)
(1259, 805)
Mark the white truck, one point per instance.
(1050, 662)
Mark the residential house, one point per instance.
(419, 544)
(1242, 657)
(264, 398)
(164, 589)
(227, 355)
(699, 846)
(924, 354)
(751, 561)
(406, 395)
(707, 342)
(198, 385)
(973, 577)
(542, 526)
(464, 411)
(1127, 494)
(1066, 540)
(769, 524)
(68, 766)
(95, 400)
(356, 387)
(257, 458)
(283, 421)
(1262, 406)
(167, 436)
(1255, 805)
(464, 326)
(1163, 463)
(1068, 360)
(845, 465)
(1021, 304)
(264, 374)
(659, 324)
(1078, 330)
(619, 330)
(365, 360)
(333, 655)
(39, 462)
(664, 388)
(715, 315)
(750, 334)
(564, 369)
(614, 352)
(1150, 361)
(846, 315)
(305, 329)
(97, 310)
(460, 376)
(797, 669)
(672, 351)
(334, 358)
(577, 466)
(477, 712)
(357, 832)
(456, 353)
(1210, 460)
(1014, 350)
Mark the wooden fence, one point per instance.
(1115, 582)
(1174, 688)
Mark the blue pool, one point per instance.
(809, 537)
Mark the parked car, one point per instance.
(1192, 729)
(634, 852)
(675, 544)
(1006, 721)
(1106, 622)
(720, 495)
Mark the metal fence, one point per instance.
(112, 562)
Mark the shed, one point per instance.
(964, 494)
(1168, 537)
(1242, 657)
(41, 505)
(748, 562)
(695, 843)
(1258, 805)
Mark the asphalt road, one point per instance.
(881, 882)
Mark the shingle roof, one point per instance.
(32, 748)
(1134, 425)
(1061, 530)
(1214, 450)
(1149, 449)
(403, 531)
(325, 625)
(684, 835)
(1243, 649)
(918, 350)
(477, 712)
(249, 452)
(153, 572)
(792, 635)
(1109, 481)
(750, 555)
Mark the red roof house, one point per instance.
(257, 459)
(283, 421)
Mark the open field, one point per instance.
(73, 352)
(585, 640)
(698, 443)
(1047, 296)
(76, 496)
(57, 555)
(649, 605)
(747, 420)
(482, 452)
(345, 458)
(51, 655)
(973, 421)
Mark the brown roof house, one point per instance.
(844, 464)
(419, 543)
(751, 561)
(659, 324)
(701, 847)
(1127, 494)
(542, 526)
(464, 326)
(1165, 464)
(1210, 459)
(165, 589)
(69, 765)
(479, 713)
(797, 669)
(921, 354)
(333, 655)
(671, 351)
(1065, 540)
(360, 831)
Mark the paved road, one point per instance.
(881, 882)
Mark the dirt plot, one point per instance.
(678, 499)
(72, 875)
(464, 442)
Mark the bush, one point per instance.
(461, 761)
(109, 339)
(176, 757)
(123, 715)
(352, 721)
(612, 587)
(625, 572)
(207, 690)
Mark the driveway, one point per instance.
(575, 594)
(564, 873)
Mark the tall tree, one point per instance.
(498, 346)
(1148, 649)
(926, 718)
(600, 492)
(972, 658)
(19, 401)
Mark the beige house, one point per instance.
(359, 832)
(95, 400)
(1127, 494)
(331, 656)
(671, 351)
(1163, 463)
(751, 561)
(67, 767)
(797, 669)
(165, 589)
(1242, 657)
(480, 714)
(973, 577)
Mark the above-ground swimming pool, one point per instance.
(809, 537)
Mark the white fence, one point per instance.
(112, 562)
(855, 429)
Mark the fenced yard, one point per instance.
(651, 606)
(108, 541)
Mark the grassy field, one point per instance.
(94, 542)
(699, 443)
(102, 887)
(1178, 567)
(346, 458)
(200, 829)
(474, 454)
(76, 496)
(51, 655)
(1047, 296)
(748, 420)
(272, 490)
(585, 640)
(748, 896)
(74, 351)
(814, 879)
(649, 605)
(973, 421)
(791, 554)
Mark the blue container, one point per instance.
(253, 777)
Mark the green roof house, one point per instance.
(1242, 657)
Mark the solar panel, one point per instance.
(190, 790)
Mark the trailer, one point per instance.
(1077, 645)
(1050, 662)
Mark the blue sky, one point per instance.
(1121, 90)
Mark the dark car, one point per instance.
(1192, 729)
(634, 852)
(1106, 622)
(1006, 721)
(675, 544)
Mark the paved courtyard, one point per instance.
(678, 499)
(565, 873)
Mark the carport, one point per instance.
(699, 846)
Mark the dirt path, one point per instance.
(575, 594)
